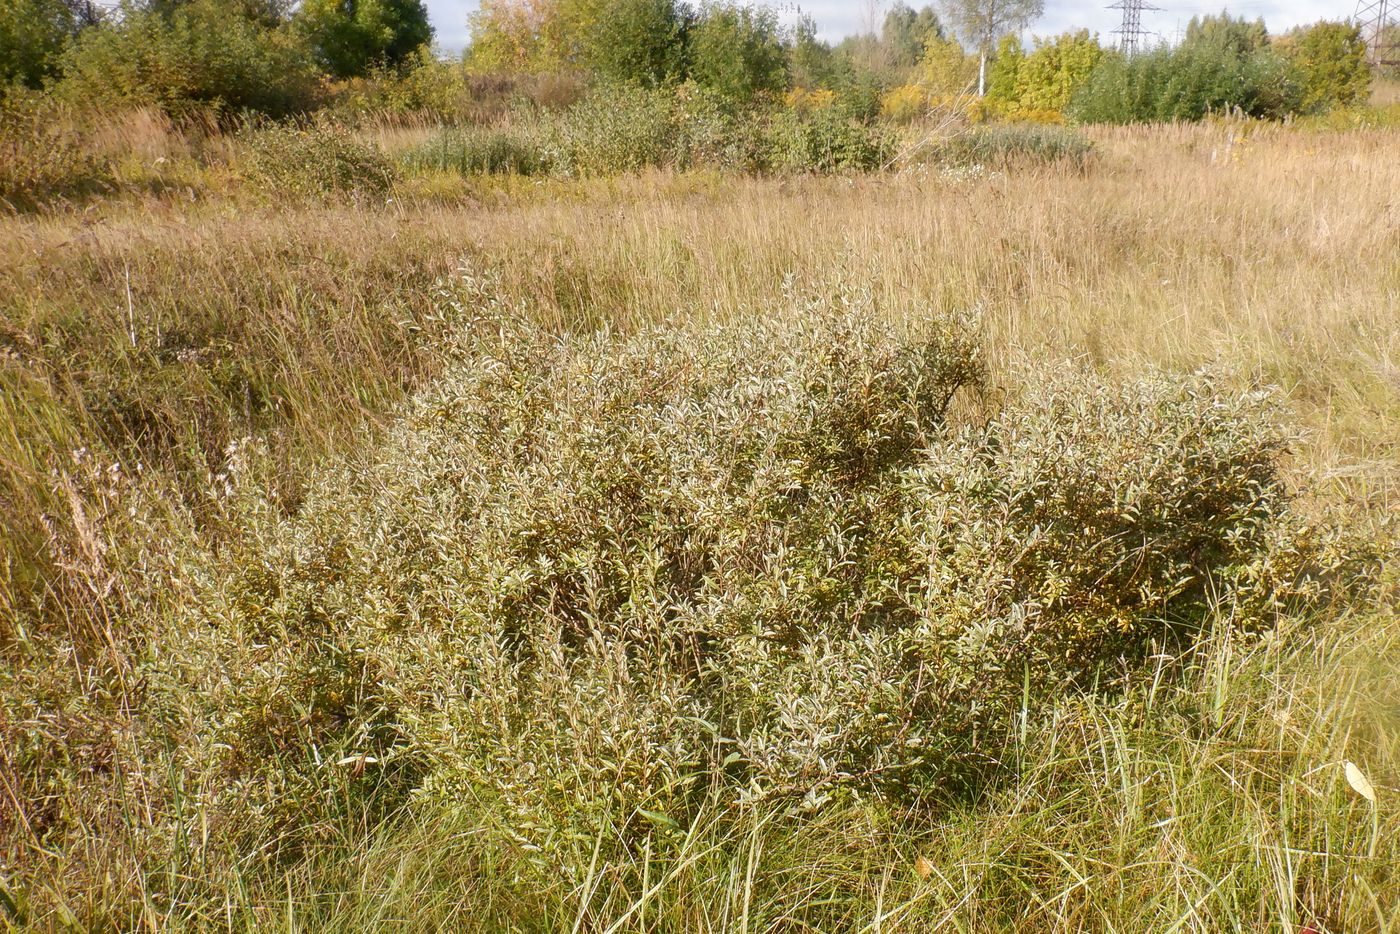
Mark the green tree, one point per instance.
(629, 40)
(350, 37)
(641, 41)
(813, 63)
(738, 51)
(202, 52)
(1004, 73)
(517, 36)
(1225, 34)
(1218, 70)
(906, 33)
(1331, 63)
(33, 33)
(268, 13)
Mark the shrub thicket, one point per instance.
(41, 158)
(313, 161)
(587, 578)
(623, 128)
(33, 33)
(1223, 65)
(1003, 146)
(481, 151)
(615, 128)
(197, 53)
(826, 140)
(1330, 59)
(1046, 80)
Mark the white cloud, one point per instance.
(838, 18)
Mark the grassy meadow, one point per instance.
(600, 553)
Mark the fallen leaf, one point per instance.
(1359, 782)
(923, 866)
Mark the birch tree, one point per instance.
(982, 23)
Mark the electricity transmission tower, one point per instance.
(1131, 36)
(1379, 30)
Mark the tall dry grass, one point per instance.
(1268, 248)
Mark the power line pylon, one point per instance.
(1131, 35)
(1379, 30)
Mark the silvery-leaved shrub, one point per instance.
(1008, 146)
(313, 160)
(614, 128)
(587, 579)
(473, 150)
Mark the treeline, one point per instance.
(277, 57)
(259, 55)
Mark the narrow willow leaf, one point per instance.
(1360, 783)
(661, 820)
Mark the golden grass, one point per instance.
(1385, 92)
(1271, 250)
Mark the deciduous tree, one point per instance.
(738, 51)
(349, 37)
(982, 23)
(32, 34)
(1331, 63)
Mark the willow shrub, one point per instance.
(313, 160)
(622, 128)
(826, 140)
(588, 580)
(42, 157)
(481, 151)
(1016, 145)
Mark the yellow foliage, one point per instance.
(809, 99)
(905, 103)
(1019, 112)
(946, 69)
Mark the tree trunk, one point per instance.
(982, 75)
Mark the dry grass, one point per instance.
(1272, 250)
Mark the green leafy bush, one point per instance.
(587, 578)
(1046, 79)
(614, 128)
(313, 161)
(481, 151)
(33, 34)
(826, 140)
(198, 53)
(350, 38)
(1014, 145)
(41, 156)
(1331, 62)
(737, 51)
(1223, 66)
(619, 128)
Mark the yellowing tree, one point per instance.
(946, 70)
(518, 36)
(630, 40)
(1331, 61)
(983, 22)
(1059, 67)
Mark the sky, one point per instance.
(837, 18)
